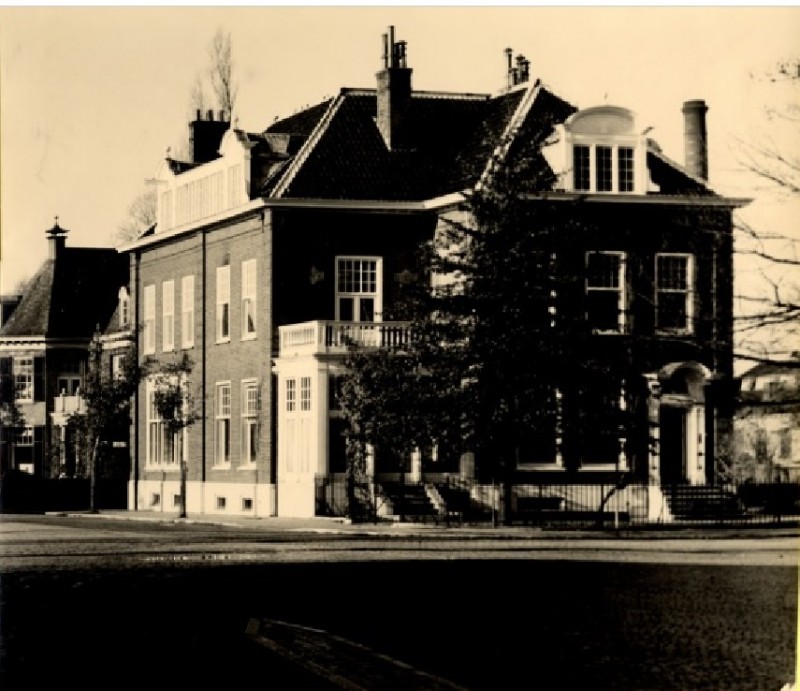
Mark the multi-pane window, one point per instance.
(305, 393)
(149, 335)
(124, 307)
(23, 379)
(161, 449)
(250, 410)
(580, 167)
(25, 437)
(605, 291)
(625, 169)
(674, 292)
(69, 377)
(116, 366)
(248, 298)
(291, 395)
(223, 303)
(168, 315)
(187, 311)
(222, 454)
(357, 289)
(603, 168)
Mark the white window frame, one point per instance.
(223, 299)
(688, 292)
(222, 421)
(621, 289)
(249, 322)
(168, 316)
(26, 437)
(291, 395)
(187, 311)
(162, 454)
(593, 143)
(250, 409)
(305, 394)
(124, 307)
(24, 375)
(359, 294)
(149, 333)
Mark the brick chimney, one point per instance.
(394, 93)
(206, 136)
(695, 141)
(56, 240)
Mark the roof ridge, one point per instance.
(654, 148)
(308, 146)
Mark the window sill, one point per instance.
(249, 337)
(187, 346)
(221, 466)
(168, 350)
(220, 341)
(603, 467)
(553, 467)
(248, 466)
(162, 469)
(683, 333)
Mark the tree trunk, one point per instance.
(184, 470)
(93, 476)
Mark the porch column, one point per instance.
(654, 429)
(415, 474)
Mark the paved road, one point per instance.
(63, 542)
(98, 603)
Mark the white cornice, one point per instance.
(227, 215)
(654, 199)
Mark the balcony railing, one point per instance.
(332, 337)
(68, 404)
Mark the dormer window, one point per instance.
(124, 307)
(606, 153)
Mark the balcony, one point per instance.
(64, 406)
(334, 338)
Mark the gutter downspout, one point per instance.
(136, 283)
(203, 372)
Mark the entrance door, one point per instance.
(673, 445)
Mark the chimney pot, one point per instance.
(210, 115)
(394, 94)
(695, 138)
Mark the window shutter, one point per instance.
(6, 380)
(38, 449)
(38, 379)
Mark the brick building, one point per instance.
(273, 250)
(44, 348)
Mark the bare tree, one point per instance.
(141, 215)
(768, 319)
(221, 71)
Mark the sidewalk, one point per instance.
(391, 529)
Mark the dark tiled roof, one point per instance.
(72, 296)
(453, 137)
(302, 123)
(672, 179)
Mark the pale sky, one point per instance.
(90, 98)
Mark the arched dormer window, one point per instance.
(124, 307)
(605, 154)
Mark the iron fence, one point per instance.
(447, 499)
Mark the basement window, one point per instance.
(247, 504)
(221, 503)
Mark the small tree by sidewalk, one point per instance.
(107, 398)
(174, 403)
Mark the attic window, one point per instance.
(606, 151)
(124, 307)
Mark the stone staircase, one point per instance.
(702, 502)
(409, 501)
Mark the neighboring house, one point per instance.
(274, 253)
(43, 353)
(767, 425)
